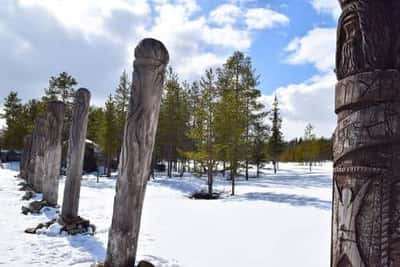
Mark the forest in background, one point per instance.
(218, 123)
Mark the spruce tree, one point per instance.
(260, 137)
(275, 145)
(310, 145)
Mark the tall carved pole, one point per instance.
(366, 199)
(25, 156)
(39, 152)
(55, 121)
(76, 150)
(140, 129)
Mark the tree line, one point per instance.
(216, 124)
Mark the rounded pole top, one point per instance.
(83, 91)
(152, 49)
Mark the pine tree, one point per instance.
(236, 111)
(174, 121)
(203, 131)
(62, 88)
(109, 134)
(95, 124)
(121, 98)
(15, 117)
(275, 145)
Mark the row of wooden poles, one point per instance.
(41, 158)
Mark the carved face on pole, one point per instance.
(350, 59)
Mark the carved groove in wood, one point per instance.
(151, 58)
(366, 201)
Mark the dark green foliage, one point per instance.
(275, 145)
(95, 124)
(109, 134)
(19, 119)
(62, 87)
(173, 128)
(121, 99)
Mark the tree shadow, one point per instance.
(302, 180)
(291, 199)
(160, 262)
(88, 244)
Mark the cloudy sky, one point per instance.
(291, 43)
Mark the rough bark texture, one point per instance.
(25, 157)
(76, 149)
(366, 198)
(39, 153)
(55, 121)
(135, 160)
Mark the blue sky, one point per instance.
(291, 44)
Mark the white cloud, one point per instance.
(308, 102)
(311, 101)
(331, 7)
(264, 18)
(225, 14)
(88, 16)
(93, 40)
(317, 47)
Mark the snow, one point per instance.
(277, 220)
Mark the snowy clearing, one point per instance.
(281, 220)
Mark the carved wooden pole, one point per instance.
(76, 150)
(141, 124)
(366, 199)
(25, 156)
(39, 152)
(55, 121)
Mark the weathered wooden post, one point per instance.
(55, 121)
(25, 156)
(39, 152)
(76, 149)
(151, 58)
(366, 200)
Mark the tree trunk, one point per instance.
(274, 163)
(247, 170)
(223, 171)
(169, 171)
(55, 122)
(258, 169)
(149, 69)
(232, 174)
(76, 150)
(366, 151)
(210, 180)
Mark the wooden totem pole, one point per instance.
(151, 58)
(76, 150)
(55, 121)
(25, 157)
(366, 198)
(39, 152)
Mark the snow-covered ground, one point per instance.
(276, 220)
